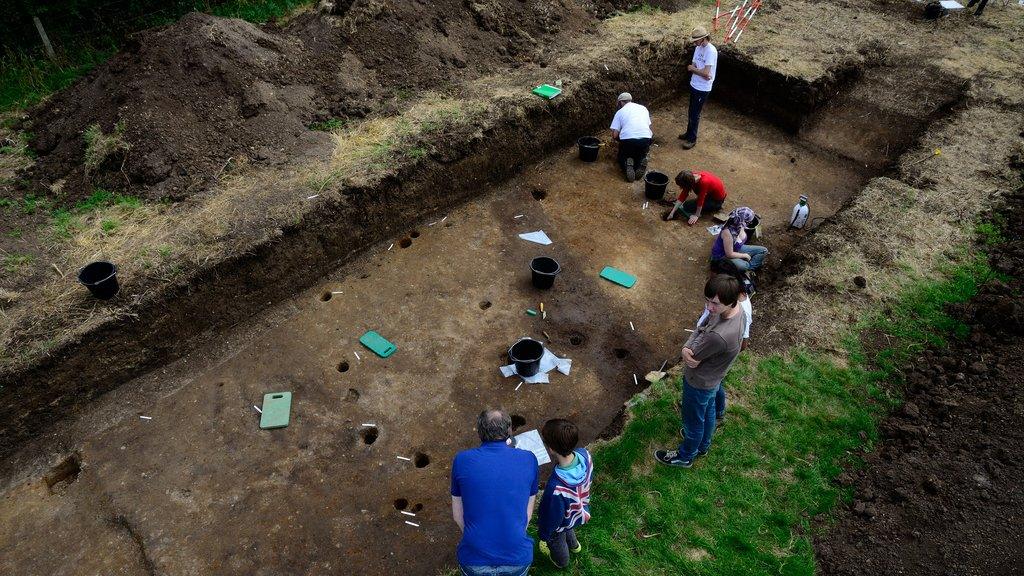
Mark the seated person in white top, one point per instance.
(631, 128)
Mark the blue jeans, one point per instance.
(757, 254)
(697, 100)
(720, 403)
(698, 409)
(494, 570)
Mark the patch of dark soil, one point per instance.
(192, 99)
(942, 493)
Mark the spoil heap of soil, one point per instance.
(942, 493)
(182, 100)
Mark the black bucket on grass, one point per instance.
(101, 279)
(544, 271)
(526, 355)
(589, 147)
(654, 185)
(751, 229)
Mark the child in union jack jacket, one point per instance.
(566, 501)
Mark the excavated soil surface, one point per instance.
(942, 494)
(198, 487)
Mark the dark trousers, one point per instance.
(699, 419)
(635, 148)
(697, 100)
(560, 544)
(981, 6)
(710, 207)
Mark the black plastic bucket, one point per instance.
(654, 185)
(752, 229)
(544, 271)
(589, 147)
(101, 279)
(526, 355)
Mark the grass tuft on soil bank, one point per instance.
(794, 421)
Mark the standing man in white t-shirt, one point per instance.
(703, 69)
(631, 128)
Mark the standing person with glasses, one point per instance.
(708, 355)
(702, 70)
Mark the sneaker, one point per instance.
(671, 458)
(630, 171)
(578, 548)
(687, 144)
(643, 166)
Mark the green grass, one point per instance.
(990, 232)
(794, 422)
(329, 125)
(26, 78)
(14, 262)
(64, 222)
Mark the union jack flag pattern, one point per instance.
(577, 498)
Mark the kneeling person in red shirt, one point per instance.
(710, 195)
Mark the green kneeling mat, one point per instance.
(277, 407)
(547, 91)
(380, 345)
(618, 276)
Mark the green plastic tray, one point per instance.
(618, 276)
(277, 407)
(547, 91)
(379, 344)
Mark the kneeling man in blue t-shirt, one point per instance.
(493, 490)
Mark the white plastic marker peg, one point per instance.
(635, 381)
(390, 247)
(357, 355)
(403, 458)
(313, 196)
(368, 424)
(443, 219)
(337, 292)
(519, 215)
(645, 205)
(606, 67)
(257, 408)
(407, 513)
(517, 387)
(412, 524)
(631, 327)
(146, 417)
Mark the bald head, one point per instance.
(493, 425)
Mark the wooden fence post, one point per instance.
(46, 39)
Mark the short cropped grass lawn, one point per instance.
(793, 422)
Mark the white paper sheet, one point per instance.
(951, 5)
(539, 237)
(714, 230)
(531, 442)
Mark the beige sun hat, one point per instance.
(699, 33)
(625, 97)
